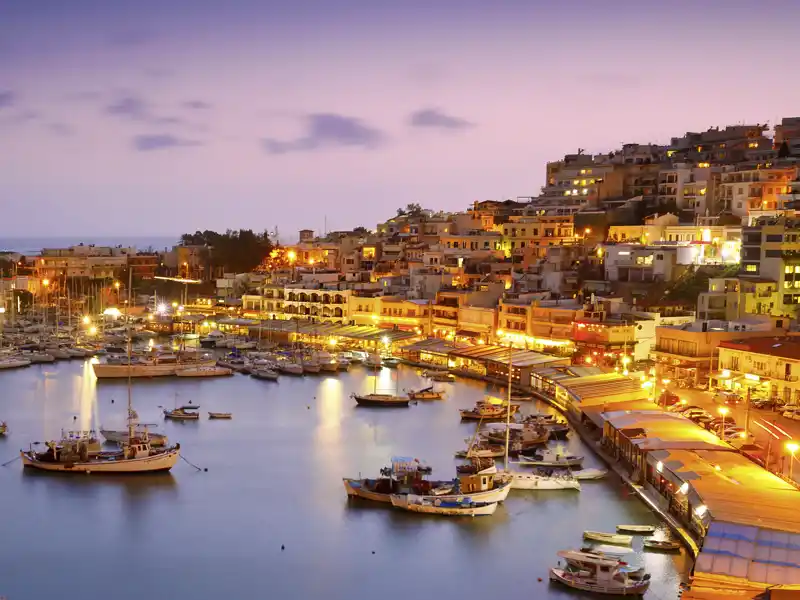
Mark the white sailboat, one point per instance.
(137, 455)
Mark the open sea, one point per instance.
(275, 478)
(30, 246)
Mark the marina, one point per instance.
(309, 425)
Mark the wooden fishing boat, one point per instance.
(219, 415)
(636, 529)
(600, 574)
(488, 412)
(608, 538)
(437, 506)
(380, 400)
(427, 393)
(661, 545)
(181, 414)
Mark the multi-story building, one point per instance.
(764, 363)
(689, 351)
(771, 251)
(749, 192)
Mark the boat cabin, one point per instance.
(476, 483)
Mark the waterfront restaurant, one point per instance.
(745, 519)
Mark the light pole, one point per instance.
(792, 447)
(723, 410)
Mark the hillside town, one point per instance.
(650, 293)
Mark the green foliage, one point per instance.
(238, 251)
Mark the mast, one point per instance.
(130, 367)
(508, 403)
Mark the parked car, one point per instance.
(727, 398)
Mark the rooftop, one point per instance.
(784, 346)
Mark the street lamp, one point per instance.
(723, 410)
(792, 447)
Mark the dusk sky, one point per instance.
(159, 117)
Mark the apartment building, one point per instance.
(768, 364)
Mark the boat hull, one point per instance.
(163, 461)
(632, 588)
(109, 371)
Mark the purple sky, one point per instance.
(154, 117)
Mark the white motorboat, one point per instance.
(608, 538)
(600, 574)
(589, 474)
(212, 371)
(551, 458)
(13, 363)
(522, 480)
(437, 506)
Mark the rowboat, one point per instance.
(608, 538)
(437, 506)
(636, 529)
(217, 415)
(661, 545)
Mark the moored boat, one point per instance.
(600, 574)
(213, 371)
(380, 400)
(427, 393)
(608, 538)
(636, 529)
(661, 545)
(219, 415)
(437, 506)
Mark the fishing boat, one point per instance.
(551, 458)
(264, 373)
(427, 393)
(589, 474)
(219, 415)
(661, 545)
(523, 480)
(636, 529)
(182, 414)
(381, 400)
(204, 372)
(121, 437)
(601, 574)
(608, 538)
(404, 475)
(486, 411)
(137, 455)
(436, 506)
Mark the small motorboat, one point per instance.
(437, 506)
(427, 393)
(589, 474)
(661, 545)
(181, 414)
(636, 529)
(218, 415)
(264, 373)
(380, 400)
(608, 538)
(551, 458)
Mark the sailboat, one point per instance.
(382, 400)
(137, 455)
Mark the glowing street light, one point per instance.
(792, 447)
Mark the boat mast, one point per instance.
(508, 403)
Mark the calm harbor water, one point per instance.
(274, 478)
